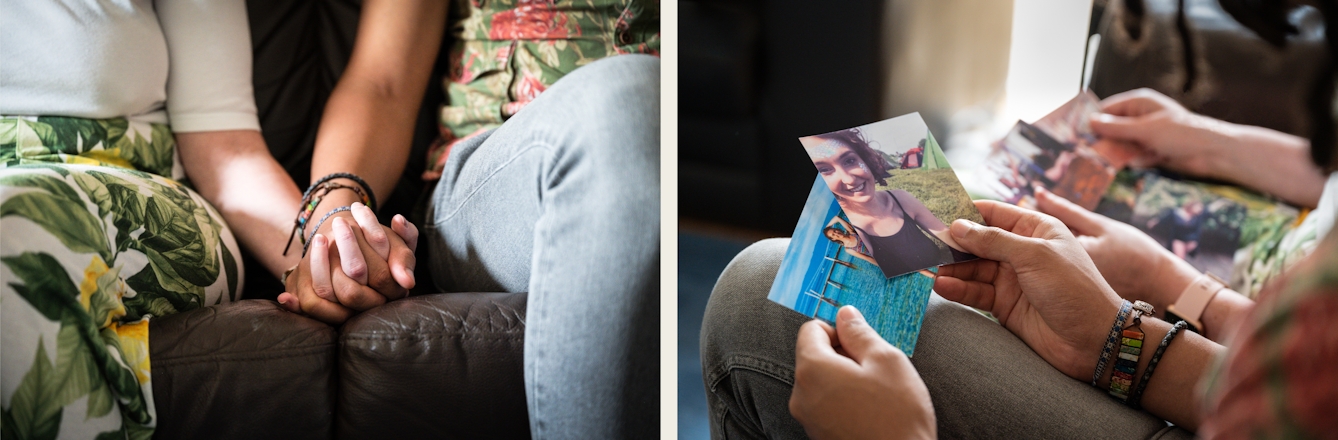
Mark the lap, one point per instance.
(89, 253)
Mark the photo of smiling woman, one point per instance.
(896, 227)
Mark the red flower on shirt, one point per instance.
(530, 20)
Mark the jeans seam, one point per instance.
(479, 186)
(751, 363)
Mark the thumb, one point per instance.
(1124, 128)
(1079, 220)
(858, 339)
(988, 242)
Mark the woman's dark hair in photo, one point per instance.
(853, 138)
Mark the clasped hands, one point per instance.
(353, 264)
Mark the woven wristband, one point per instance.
(1137, 395)
(371, 197)
(313, 196)
(1111, 342)
(1131, 347)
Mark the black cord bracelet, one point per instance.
(371, 197)
(1137, 396)
(307, 245)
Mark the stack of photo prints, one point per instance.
(874, 228)
(1216, 228)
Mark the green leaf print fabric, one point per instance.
(97, 237)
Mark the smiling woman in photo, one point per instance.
(901, 233)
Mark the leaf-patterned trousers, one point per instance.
(97, 237)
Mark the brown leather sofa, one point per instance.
(444, 365)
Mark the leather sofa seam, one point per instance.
(215, 358)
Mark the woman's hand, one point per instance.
(850, 383)
(1038, 281)
(366, 268)
(1169, 135)
(1134, 264)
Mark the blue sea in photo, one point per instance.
(817, 277)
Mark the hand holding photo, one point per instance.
(828, 266)
(897, 190)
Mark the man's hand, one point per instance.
(850, 383)
(1134, 264)
(1038, 281)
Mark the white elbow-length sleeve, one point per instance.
(209, 65)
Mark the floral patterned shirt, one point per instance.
(507, 52)
(1280, 377)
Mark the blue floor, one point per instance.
(701, 258)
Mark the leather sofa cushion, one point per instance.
(248, 369)
(435, 366)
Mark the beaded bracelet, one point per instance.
(1137, 395)
(307, 245)
(311, 198)
(1111, 340)
(1131, 346)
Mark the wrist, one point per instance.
(1223, 141)
(1171, 278)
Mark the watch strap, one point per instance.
(1194, 299)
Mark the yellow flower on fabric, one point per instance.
(110, 157)
(135, 347)
(101, 291)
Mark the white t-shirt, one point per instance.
(183, 62)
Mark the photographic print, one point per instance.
(1058, 152)
(1197, 225)
(828, 266)
(897, 191)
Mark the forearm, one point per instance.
(235, 172)
(366, 131)
(1268, 161)
(368, 123)
(1171, 391)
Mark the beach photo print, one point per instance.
(826, 267)
(898, 193)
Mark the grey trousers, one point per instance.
(562, 201)
(984, 382)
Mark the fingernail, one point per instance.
(318, 240)
(356, 205)
(852, 315)
(1102, 117)
(960, 227)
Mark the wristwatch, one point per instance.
(1193, 300)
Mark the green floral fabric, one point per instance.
(1278, 378)
(507, 52)
(96, 239)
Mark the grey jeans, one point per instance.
(562, 201)
(984, 382)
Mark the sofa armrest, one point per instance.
(247, 369)
(435, 366)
